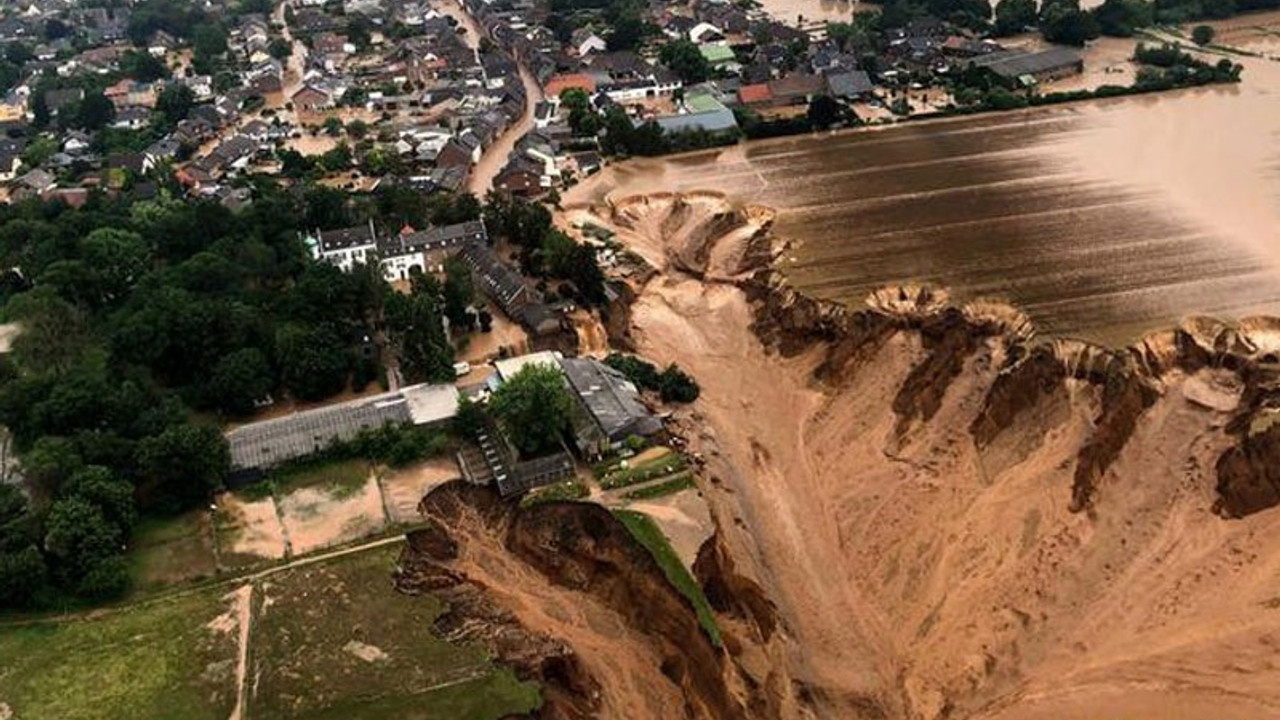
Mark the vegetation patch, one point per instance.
(644, 530)
(340, 479)
(626, 472)
(172, 550)
(163, 659)
(678, 483)
(335, 640)
(567, 490)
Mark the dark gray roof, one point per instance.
(343, 238)
(498, 281)
(1014, 65)
(610, 398)
(434, 238)
(268, 443)
(849, 84)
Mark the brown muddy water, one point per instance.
(1100, 219)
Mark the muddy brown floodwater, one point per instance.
(1101, 220)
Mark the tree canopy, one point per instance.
(533, 408)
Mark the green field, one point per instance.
(562, 491)
(616, 475)
(342, 478)
(154, 661)
(650, 535)
(677, 483)
(328, 641)
(335, 640)
(164, 551)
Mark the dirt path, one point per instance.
(244, 619)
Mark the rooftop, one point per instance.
(269, 443)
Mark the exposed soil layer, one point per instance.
(924, 511)
(566, 596)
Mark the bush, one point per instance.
(672, 384)
(1202, 35)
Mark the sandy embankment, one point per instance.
(916, 576)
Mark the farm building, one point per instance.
(259, 446)
(611, 404)
(1028, 69)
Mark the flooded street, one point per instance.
(1100, 219)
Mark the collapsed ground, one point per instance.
(943, 536)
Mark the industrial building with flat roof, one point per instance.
(265, 444)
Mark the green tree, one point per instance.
(628, 33)
(143, 66)
(181, 467)
(22, 575)
(280, 48)
(1014, 16)
(175, 103)
(95, 113)
(533, 408)
(1062, 21)
(85, 546)
(209, 44)
(416, 328)
(685, 60)
(111, 494)
(470, 418)
(238, 380)
(314, 363)
(117, 260)
(824, 111)
(54, 332)
(1202, 35)
(1121, 18)
(357, 129)
(573, 261)
(459, 292)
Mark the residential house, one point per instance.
(345, 247)
(585, 42)
(797, 88)
(850, 85)
(310, 98)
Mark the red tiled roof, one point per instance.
(560, 83)
(752, 94)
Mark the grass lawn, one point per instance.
(650, 535)
(335, 640)
(616, 476)
(567, 490)
(677, 483)
(156, 661)
(342, 478)
(164, 551)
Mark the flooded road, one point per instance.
(1101, 220)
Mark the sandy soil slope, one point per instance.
(946, 531)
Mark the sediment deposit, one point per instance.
(946, 516)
